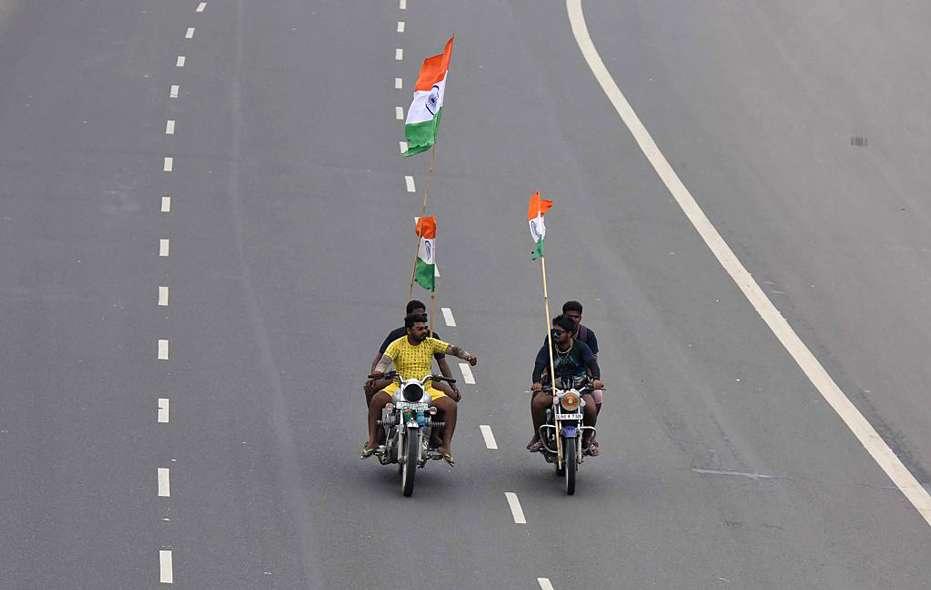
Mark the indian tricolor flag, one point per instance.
(425, 266)
(423, 116)
(535, 211)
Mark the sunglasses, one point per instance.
(559, 332)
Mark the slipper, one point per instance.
(593, 449)
(366, 452)
(447, 456)
(535, 447)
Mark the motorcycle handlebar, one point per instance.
(394, 374)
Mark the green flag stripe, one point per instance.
(537, 250)
(424, 275)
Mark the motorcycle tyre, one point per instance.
(570, 450)
(409, 467)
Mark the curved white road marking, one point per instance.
(816, 373)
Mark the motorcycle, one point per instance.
(561, 433)
(409, 422)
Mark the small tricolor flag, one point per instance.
(423, 116)
(425, 267)
(535, 211)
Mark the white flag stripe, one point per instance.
(418, 111)
(425, 252)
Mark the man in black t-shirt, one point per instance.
(416, 307)
(572, 359)
(573, 311)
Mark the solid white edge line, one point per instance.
(201, 7)
(164, 247)
(162, 349)
(490, 442)
(166, 204)
(170, 127)
(173, 91)
(164, 482)
(165, 574)
(401, 26)
(398, 83)
(467, 373)
(162, 296)
(884, 456)
(180, 61)
(516, 510)
(399, 113)
(164, 410)
(189, 34)
(544, 584)
(448, 317)
(398, 54)
(409, 181)
(168, 164)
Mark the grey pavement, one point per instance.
(291, 240)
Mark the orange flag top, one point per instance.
(425, 227)
(537, 206)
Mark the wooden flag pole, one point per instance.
(549, 346)
(432, 307)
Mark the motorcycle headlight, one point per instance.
(413, 392)
(570, 401)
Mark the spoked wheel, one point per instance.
(570, 449)
(411, 454)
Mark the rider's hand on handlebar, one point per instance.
(536, 387)
(598, 384)
(471, 359)
(376, 375)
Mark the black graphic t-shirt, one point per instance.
(576, 362)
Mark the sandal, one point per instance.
(593, 449)
(447, 456)
(365, 452)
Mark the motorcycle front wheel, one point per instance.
(411, 455)
(570, 449)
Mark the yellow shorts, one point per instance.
(433, 392)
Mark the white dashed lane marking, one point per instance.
(409, 181)
(402, 145)
(165, 575)
(190, 33)
(399, 113)
(400, 26)
(180, 61)
(164, 483)
(544, 584)
(398, 54)
(162, 349)
(516, 510)
(201, 6)
(164, 412)
(467, 373)
(166, 203)
(170, 127)
(402, 4)
(168, 164)
(164, 247)
(488, 435)
(448, 317)
(398, 83)
(163, 296)
(173, 91)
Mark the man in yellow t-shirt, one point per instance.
(412, 356)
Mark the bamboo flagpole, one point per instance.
(535, 210)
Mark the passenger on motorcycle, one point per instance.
(412, 355)
(572, 359)
(373, 386)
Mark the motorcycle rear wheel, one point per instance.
(411, 454)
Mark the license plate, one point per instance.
(568, 416)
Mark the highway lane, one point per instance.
(290, 248)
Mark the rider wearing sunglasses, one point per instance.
(572, 359)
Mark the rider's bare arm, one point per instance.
(460, 353)
(382, 365)
(375, 360)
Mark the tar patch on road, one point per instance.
(859, 141)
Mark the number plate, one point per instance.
(412, 406)
(568, 416)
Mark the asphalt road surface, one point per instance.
(205, 233)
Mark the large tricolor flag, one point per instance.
(535, 211)
(423, 116)
(425, 267)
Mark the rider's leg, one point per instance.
(449, 408)
(538, 404)
(379, 401)
(445, 388)
(598, 395)
(589, 417)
